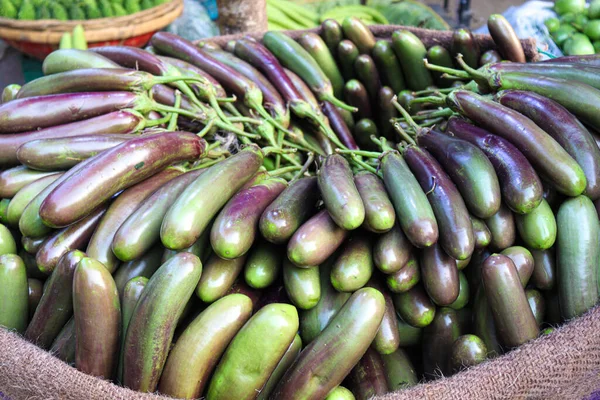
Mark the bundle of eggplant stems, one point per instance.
(337, 216)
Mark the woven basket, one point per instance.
(39, 38)
(562, 365)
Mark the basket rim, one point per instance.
(49, 31)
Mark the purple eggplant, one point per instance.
(564, 127)
(62, 153)
(116, 122)
(235, 228)
(272, 100)
(73, 237)
(100, 245)
(521, 186)
(94, 79)
(545, 153)
(339, 125)
(456, 230)
(14, 179)
(71, 59)
(141, 230)
(439, 275)
(469, 168)
(116, 169)
(189, 69)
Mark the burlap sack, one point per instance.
(562, 365)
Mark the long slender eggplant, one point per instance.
(324, 363)
(35, 288)
(456, 230)
(154, 319)
(332, 34)
(503, 228)
(523, 260)
(589, 59)
(24, 196)
(313, 321)
(9, 93)
(289, 210)
(387, 112)
(544, 269)
(387, 339)
(115, 122)
(62, 153)
(56, 109)
(469, 168)
(272, 100)
(520, 185)
(388, 66)
(359, 33)
(507, 40)
(14, 292)
(263, 265)
(346, 54)
(116, 169)
(189, 69)
(438, 338)
(367, 73)
(354, 266)
(564, 127)
(14, 179)
(63, 346)
(290, 356)
(513, 316)
(541, 149)
(97, 313)
(440, 275)
(205, 196)
(367, 379)
(144, 266)
(100, 245)
(71, 59)
(414, 213)
(235, 228)
(244, 88)
(356, 94)
(299, 100)
(218, 276)
(463, 42)
(191, 361)
(317, 48)
(73, 237)
(141, 230)
(415, 307)
(379, 210)
(391, 250)
(405, 278)
(56, 305)
(340, 195)
(293, 56)
(338, 125)
(94, 79)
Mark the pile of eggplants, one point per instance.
(327, 217)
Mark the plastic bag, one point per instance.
(195, 22)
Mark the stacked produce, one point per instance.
(577, 29)
(269, 221)
(65, 10)
(288, 15)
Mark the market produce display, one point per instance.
(333, 217)
(298, 14)
(65, 10)
(576, 30)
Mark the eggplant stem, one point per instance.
(231, 99)
(284, 170)
(362, 164)
(435, 100)
(428, 91)
(445, 112)
(274, 150)
(405, 114)
(279, 141)
(310, 158)
(149, 123)
(471, 71)
(403, 134)
(173, 121)
(263, 113)
(213, 145)
(449, 71)
(364, 153)
(207, 128)
(208, 163)
(336, 102)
